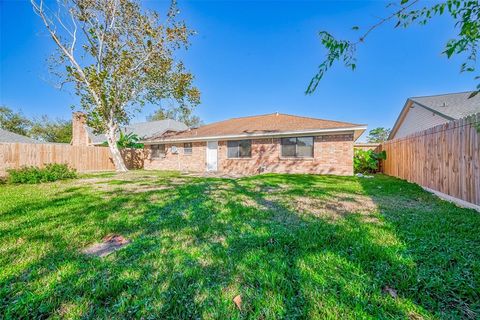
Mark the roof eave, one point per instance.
(358, 130)
(406, 109)
(400, 118)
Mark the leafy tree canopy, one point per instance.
(180, 114)
(118, 57)
(465, 13)
(48, 130)
(43, 129)
(378, 135)
(14, 121)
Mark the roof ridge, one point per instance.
(147, 122)
(258, 115)
(443, 94)
(312, 118)
(280, 113)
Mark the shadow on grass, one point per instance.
(199, 244)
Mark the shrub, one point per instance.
(51, 172)
(130, 140)
(367, 161)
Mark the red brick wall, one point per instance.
(194, 162)
(333, 154)
(79, 133)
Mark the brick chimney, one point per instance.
(79, 132)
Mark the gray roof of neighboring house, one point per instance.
(453, 105)
(10, 137)
(450, 106)
(142, 129)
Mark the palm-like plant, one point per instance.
(129, 140)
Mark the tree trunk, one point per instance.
(117, 157)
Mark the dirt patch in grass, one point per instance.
(221, 192)
(135, 188)
(335, 208)
(213, 175)
(131, 182)
(405, 203)
(271, 188)
(332, 208)
(109, 244)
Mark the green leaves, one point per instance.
(466, 15)
(14, 122)
(121, 58)
(180, 113)
(367, 161)
(378, 135)
(46, 129)
(338, 50)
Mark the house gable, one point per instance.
(420, 113)
(415, 117)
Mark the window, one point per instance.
(301, 147)
(187, 148)
(239, 149)
(158, 151)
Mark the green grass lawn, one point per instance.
(292, 246)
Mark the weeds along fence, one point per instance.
(445, 158)
(82, 158)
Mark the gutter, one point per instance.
(259, 135)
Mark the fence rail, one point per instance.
(82, 158)
(445, 158)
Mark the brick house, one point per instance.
(250, 145)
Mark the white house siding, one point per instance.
(418, 119)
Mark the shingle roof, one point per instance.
(257, 125)
(10, 137)
(453, 105)
(142, 129)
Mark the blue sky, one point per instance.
(257, 57)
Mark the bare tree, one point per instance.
(118, 58)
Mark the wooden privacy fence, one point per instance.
(82, 158)
(445, 158)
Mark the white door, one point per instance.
(212, 154)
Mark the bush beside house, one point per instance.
(367, 161)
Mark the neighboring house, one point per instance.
(83, 135)
(10, 137)
(250, 145)
(421, 113)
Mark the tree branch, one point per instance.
(41, 13)
(384, 20)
